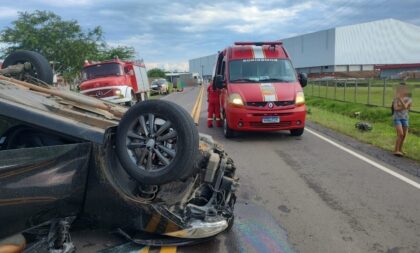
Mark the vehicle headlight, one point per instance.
(235, 99)
(118, 93)
(300, 98)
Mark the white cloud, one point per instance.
(142, 44)
(66, 3)
(175, 66)
(236, 17)
(8, 12)
(134, 40)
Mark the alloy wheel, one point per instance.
(152, 142)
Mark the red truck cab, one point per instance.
(260, 89)
(116, 81)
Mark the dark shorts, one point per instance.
(401, 122)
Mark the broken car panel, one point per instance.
(64, 156)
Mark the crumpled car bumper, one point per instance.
(201, 229)
(209, 209)
(182, 212)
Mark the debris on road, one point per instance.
(364, 126)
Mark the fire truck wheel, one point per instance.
(40, 67)
(157, 142)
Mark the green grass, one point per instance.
(360, 95)
(338, 116)
(372, 114)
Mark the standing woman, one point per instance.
(401, 106)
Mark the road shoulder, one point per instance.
(407, 165)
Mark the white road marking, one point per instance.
(367, 160)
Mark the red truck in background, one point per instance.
(260, 89)
(116, 81)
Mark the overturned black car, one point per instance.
(66, 157)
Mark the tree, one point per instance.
(156, 72)
(61, 41)
(122, 52)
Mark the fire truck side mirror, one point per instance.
(219, 83)
(128, 71)
(303, 79)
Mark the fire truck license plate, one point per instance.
(271, 119)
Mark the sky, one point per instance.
(167, 33)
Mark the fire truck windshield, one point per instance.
(102, 70)
(261, 71)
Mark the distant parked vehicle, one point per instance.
(159, 86)
(116, 81)
(197, 78)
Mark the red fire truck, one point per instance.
(116, 81)
(260, 89)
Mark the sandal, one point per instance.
(399, 154)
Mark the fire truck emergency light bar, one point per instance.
(271, 43)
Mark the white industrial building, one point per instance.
(203, 65)
(360, 47)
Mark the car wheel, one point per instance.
(40, 67)
(228, 132)
(297, 132)
(157, 142)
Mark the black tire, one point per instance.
(179, 158)
(227, 131)
(41, 69)
(297, 132)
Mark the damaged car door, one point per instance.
(42, 176)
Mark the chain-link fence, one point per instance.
(378, 92)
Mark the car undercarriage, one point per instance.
(143, 172)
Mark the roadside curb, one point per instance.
(409, 166)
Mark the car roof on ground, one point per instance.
(65, 111)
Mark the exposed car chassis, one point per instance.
(59, 164)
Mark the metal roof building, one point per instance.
(348, 48)
(203, 65)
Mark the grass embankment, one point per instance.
(360, 95)
(339, 116)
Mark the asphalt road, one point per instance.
(308, 195)
(304, 194)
